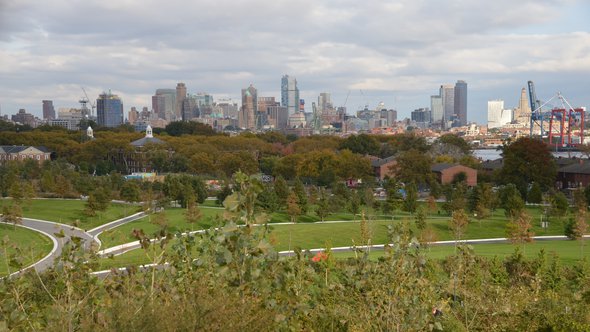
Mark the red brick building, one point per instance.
(446, 173)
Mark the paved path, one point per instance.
(49, 229)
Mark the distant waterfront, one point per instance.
(491, 154)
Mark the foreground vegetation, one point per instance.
(232, 279)
(21, 246)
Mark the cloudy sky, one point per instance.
(397, 52)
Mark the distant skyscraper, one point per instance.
(290, 94)
(497, 115)
(109, 110)
(447, 93)
(522, 113)
(437, 109)
(247, 115)
(180, 97)
(164, 104)
(133, 115)
(48, 110)
(422, 117)
(324, 101)
(461, 102)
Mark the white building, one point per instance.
(497, 115)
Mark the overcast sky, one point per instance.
(397, 52)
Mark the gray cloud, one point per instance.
(397, 52)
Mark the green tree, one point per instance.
(354, 204)
(558, 205)
(302, 199)
(413, 166)
(577, 227)
(411, 201)
(282, 190)
(130, 191)
(293, 208)
(525, 161)
(361, 144)
(12, 213)
(511, 200)
(535, 195)
(458, 224)
(519, 229)
(420, 219)
(323, 208)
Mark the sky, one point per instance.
(362, 52)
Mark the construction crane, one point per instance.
(537, 115)
(84, 101)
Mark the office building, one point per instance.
(133, 115)
(497, 115)
(247, 115)
(229, 109)
(447, 94)
(24, 118)
(180, 97)
(48, 110)
(437, 110)
(164, 104)
(422, 117)
(460, 101)
(324, 102)
(109, 110)
(290, 94)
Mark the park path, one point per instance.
(60, 234)
(106, 273)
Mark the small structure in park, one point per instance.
(447, 173)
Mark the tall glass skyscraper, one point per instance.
(109, 110)
(461, 102)
(290, 94)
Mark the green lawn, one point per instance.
(176, 223)
(32, 246)
(569, 252)
(70, 212)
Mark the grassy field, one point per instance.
(32, 245)
(70, 212)
(176, 223)
(569, 253)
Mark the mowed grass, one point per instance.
(32, 246)
(176, 222)
(71, 212)
(569, 253)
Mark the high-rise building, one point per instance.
(422, 117)
(133, 115)
(48, 110)
(437, 110)
(447, 94)
(164, 104)
(461, 102)
(290, 94)
(324, 101)
(109, 110)
(24, 118)
(247, 115)
(190, 108)
(180, 97)
(264, 105)
(522, 112)
(229, 109)
(497, 115)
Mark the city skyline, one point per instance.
(49, 50)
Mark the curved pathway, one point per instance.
(60, 234)
(50, 229)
